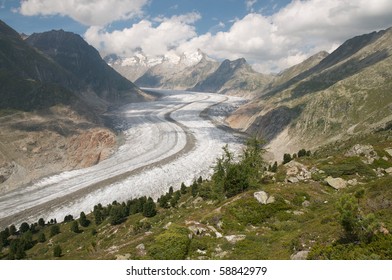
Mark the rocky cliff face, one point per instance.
(37, 144)
(346, 93)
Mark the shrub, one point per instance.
(57, 251)
(173, 244)
(54, 230)
(348, 166)
(41, 237)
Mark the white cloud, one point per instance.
(166, 37)
(271, 43)
(87, 12)
(249, 5)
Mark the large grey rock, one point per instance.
(367, 152)
(388, 171)
(235, 238)
(297, 170)
(301, 255)
(389, 151)
(336, 183)
(263, 197)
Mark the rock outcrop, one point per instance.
(263, 197)
(336, 183)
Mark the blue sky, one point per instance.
(270, 34)
(213, 12)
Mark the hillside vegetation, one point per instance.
(333, 203)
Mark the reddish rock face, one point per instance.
(90, 147)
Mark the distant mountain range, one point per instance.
(325, 98)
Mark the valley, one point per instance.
(166, 142)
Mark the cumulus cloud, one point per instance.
(153, 39)
(87, 12)
(270, 43)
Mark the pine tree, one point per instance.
(286, 158)
(83, 220)
(24, 227)
(98, 216)
(149, 208)
(183, 188)
(75, 227)
(274, 167)
(116, 215)
(164, 201)
(302, 153)
(41, 222)
(12, 230)
(68, 218)
(194, 189)
(174, 200)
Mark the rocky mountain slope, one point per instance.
(73, 54)
(234, 77)
(52, 98)
(346, 93)
(192, 71)
(296, 210)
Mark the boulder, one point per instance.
(365, 151)
(301, 255)
(297, 170)
(263, 197)
(141, 250)
(389, 151)
(235, 238)
(388, 171)
(336, 183)
(293, 180)
(306, 203)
